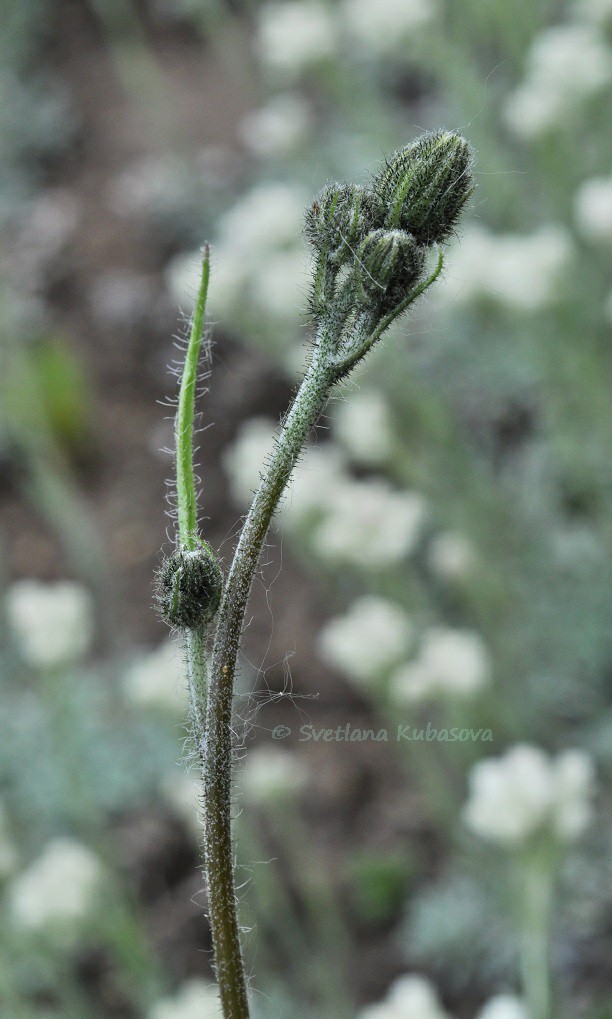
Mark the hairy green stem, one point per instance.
(218, 747)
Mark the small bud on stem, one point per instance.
(189, 587)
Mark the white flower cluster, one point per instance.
(450, 662)
(319, 472)
(525, 792)
(183, 794)
(363, 427)
(523, 272)
(196, 999)
(57, 891)
(53, 623)
(259, 253)
(157, 679)
(504, 1006)
(369, 640)
(278, 127)
(271, 775)
(295, 35)
(451, 556)
(407, 997)
(266, 217)
(386, 25)
(593, 209)
(414, 997)
(599, 11)
(567, 64)
(244, 460)
(370, 524)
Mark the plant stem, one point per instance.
(211, 685)
(218, 748)
(537, 889)
(187, 507)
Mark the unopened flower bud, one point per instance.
(389, 263)
(425, 185)
(189, 587)
(339, 219)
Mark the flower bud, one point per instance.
(189, 587)
(339, 219)
(425, 185)
(389, 263)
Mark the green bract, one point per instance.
(389, 264)
(424, 186)
(340, 217)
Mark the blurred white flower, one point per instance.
(8, 850)
(269, 216)
(280, 284)
(451, 662)
(567, 63)
(513, 797)
(157, 679)
(457, 660)
(250, 236)
(593, 209)
(317, 475)
(372, 637)
(53, 623)
(411, 683)
(244, 460)
(58, 890)
(574, 780)
(608, 308)
(295, 35)
(385, 25)
(146, 184)
(362, 425)
(409, 996)
(451, 556)
(272, 775)
(183, 794)
(594, 10)
(278, 127)
(196, 999)
(524, 272)
(504, 1006)
(370, 524)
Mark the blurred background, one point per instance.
(440, 567)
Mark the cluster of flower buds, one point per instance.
(383, 231)
(189, 588)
